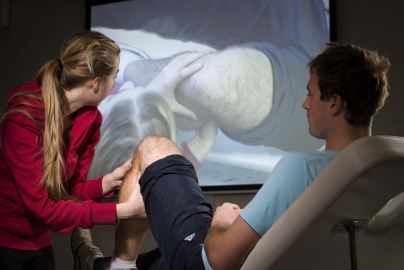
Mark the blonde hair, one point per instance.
(84, 56)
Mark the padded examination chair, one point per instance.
(350, 217)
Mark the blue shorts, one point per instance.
(178, 212)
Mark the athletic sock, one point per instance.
(118, 264)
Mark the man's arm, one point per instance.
(230, 239)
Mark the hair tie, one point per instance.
(59, 71)
(60, 64)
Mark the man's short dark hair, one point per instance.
(357, 75)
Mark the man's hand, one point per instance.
(225, 215)
(230, 239)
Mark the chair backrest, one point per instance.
(356, 185)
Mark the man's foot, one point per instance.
(83, 249)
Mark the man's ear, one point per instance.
(337, 105)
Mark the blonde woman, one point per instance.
(48, 134)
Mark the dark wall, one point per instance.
(378, 25)
(35, 32)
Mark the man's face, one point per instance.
(317, 109)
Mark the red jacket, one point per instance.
(26, 211)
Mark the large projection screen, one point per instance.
(241, 109)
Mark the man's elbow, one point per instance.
(214, 256)
(216, 262)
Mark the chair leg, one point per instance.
(350, 226)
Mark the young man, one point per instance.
(347, 86)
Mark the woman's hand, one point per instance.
(114, 179)
(133, 205)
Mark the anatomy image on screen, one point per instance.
(224, 79)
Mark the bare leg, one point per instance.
(130, 233)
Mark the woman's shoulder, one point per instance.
(27, 95)
(25, 105)
(30, 87)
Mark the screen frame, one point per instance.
(219, 188)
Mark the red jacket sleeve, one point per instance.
(83, 188)
(24, 161)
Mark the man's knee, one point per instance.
(153, 148)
